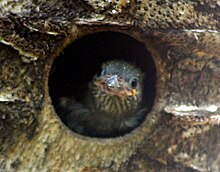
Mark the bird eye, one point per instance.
(101, 72)
(134, 83)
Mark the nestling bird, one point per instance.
(112, 106)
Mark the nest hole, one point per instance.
(74, 69)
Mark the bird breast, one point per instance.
(111, 104)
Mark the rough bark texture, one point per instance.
(180, 134)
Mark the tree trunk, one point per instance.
(181, 133)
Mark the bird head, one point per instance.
(117, 87)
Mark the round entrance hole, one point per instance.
(72, 74)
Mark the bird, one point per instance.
(112, 105)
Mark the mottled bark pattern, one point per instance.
(180, 134)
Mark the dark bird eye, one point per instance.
(101, 72)
(134, 83)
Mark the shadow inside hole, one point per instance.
(75, 67)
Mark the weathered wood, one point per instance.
(180, 134)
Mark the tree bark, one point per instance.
(181, 133)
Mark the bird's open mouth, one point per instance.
(120, 91)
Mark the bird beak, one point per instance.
(113, 81)
(114, 86)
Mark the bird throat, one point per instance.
(113, 105)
